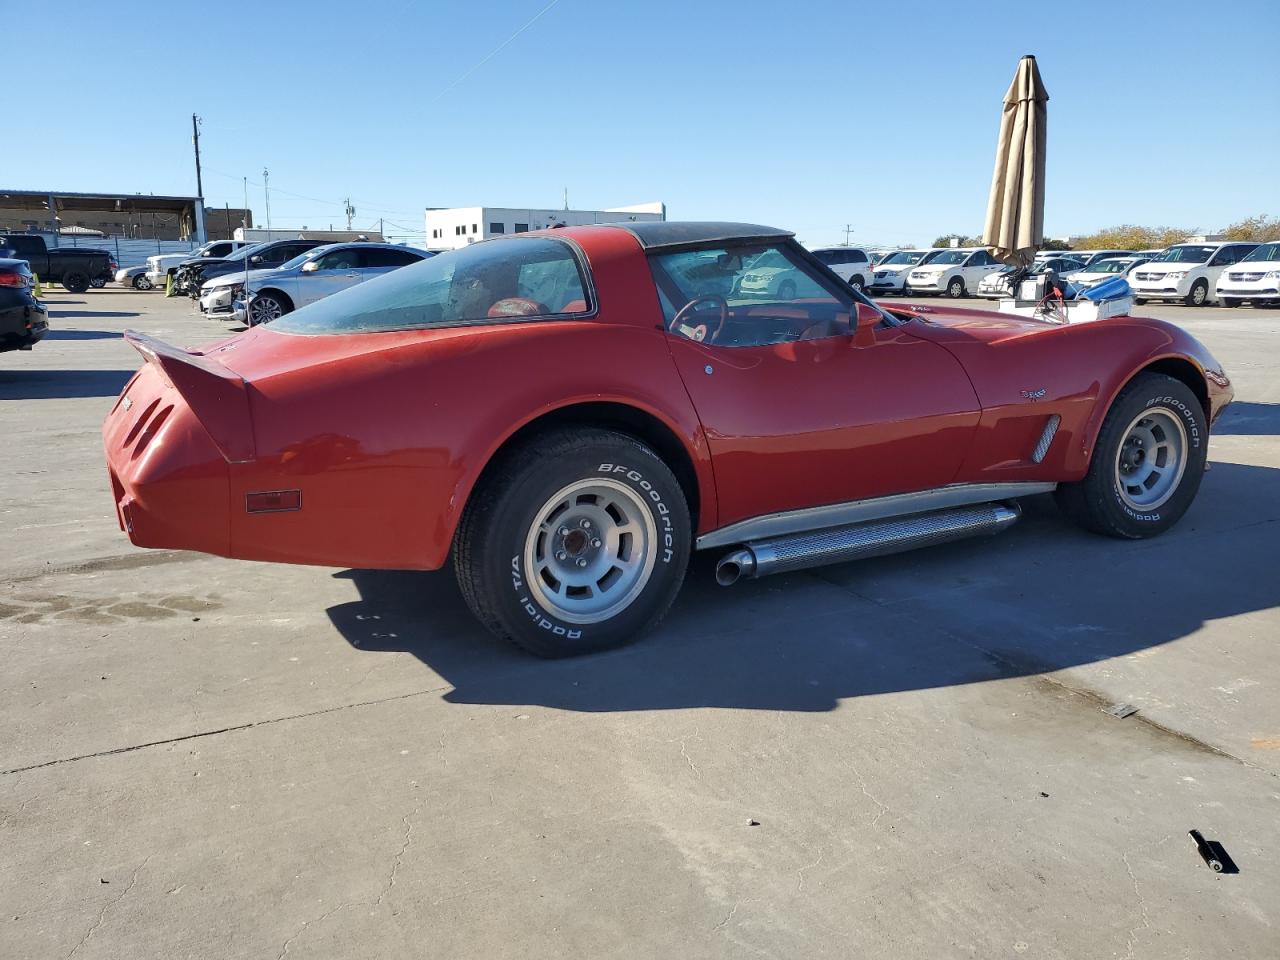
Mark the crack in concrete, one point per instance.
(1142, 905)
(807, 866)
(102, 914)
(725, 921)
(390, 882)
(236, 728)
(862, 783)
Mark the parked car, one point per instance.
(134, 277)
(267, 255)
(318, 273)
(74, 267)
(1255, 279)
(23, 319)
(954, 271)
(995, 284)
(1187, 272)
(890, 275)
(850, 264)
(161, 266)
(567, 454)
(1088, 257)
(1101, 270)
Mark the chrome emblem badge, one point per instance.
(127, 403)
(1034, 394)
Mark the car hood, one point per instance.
(231, 279)
(959, 324)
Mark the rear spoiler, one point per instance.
(216, 395)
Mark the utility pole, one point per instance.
(266, 193)
(244, 214)
(351, 212)
(848, 229)
(195, 141)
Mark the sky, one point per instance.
(810, 115)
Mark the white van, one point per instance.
(1186, 271)
(1254, 280)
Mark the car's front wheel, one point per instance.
(1198, 295)
(267, 307)
(575, 542)
(955, 288)
(141, 282)
(75, 282)
(97, 283)
(1147, 463)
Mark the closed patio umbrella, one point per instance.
(1015, 212)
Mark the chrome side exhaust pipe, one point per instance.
(876, 538)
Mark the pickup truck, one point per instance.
(74, 267)
(160, 267)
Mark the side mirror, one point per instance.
(257, 258)
(867, 316)
(311, 266)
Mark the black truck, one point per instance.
(74, 267)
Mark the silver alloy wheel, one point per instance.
(590, 551)
(1199, 293)
(142, 282)
(266, 309)
(1151, 459)
(955, 288)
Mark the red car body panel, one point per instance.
(384, 435)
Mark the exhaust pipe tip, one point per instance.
(734, 566)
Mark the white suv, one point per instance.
(954, 271)
(891, 273)
(1254, 280)
(1186, 271)
(850, 264)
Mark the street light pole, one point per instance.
(266, 193)
(195, 141)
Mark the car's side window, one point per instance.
(747, 296)
(340, 260)
(378, 257)
(553, 284)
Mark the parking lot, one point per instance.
(908, 756)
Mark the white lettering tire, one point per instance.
(1147, 464)
(574, 542)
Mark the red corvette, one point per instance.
(569, 413)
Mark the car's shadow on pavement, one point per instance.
(1043, 597)
(55, 384)
(57, 314)
(56, 334)
(1249, 419)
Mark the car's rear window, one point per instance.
(492, 282)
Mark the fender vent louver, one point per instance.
(1046, 439)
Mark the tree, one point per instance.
(963, 241)
(1129, 236)
(1261, 228)
(1055, 245)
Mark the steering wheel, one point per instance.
(698, 331)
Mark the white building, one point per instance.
(454, 227)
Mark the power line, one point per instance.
(496, 50)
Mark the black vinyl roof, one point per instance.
(658, 234)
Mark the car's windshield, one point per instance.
(302, 258)
(904, 256)
(1187, 254)
(491, 282)
(1110, 266)
(250, 250)
(951, 256)
(1264, 252)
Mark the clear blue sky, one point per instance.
(806, 115)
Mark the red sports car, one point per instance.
(569, 413)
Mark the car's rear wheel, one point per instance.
(97, 283)
(575, 542)
(857, 282)
(1147, 463)
(140, 282)
(955, 288)
(75, 282)
(787, 291)
(1198, 295)
(267, 307)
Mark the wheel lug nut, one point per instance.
(564, 531)
(562, 555)
(595, 543)
(586, 524)
(581, 562)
